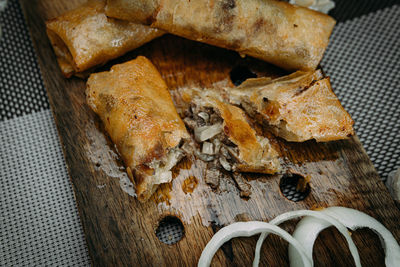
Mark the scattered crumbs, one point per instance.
(100, 186)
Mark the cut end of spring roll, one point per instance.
(84, 38)
(291, 37)
(297, 107)
(137, 111)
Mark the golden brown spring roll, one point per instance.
(288, 36)
(298, 107)
(136, 108)
(226, 138)
(84, 37)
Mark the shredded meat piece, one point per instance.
(190, 123)
(226, 152)
(212, 175)
(214, 118)
(244, 187)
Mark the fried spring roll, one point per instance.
(288, 36)
(84, 37)
(298, 107)
(136, 108)
(226, 138)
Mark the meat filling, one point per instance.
(214, 146)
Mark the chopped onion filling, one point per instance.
(204, 133)
(225, 164)
(203, 157)
(217, 145)
(208, 148)
(204, 116)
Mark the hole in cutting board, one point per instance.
(294, 187)
(170, 230)
(241, 73)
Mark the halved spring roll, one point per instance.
(136, 108)
(297, 107)
(225, 137)
(288, 36)
(84, 37)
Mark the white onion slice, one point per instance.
(247, 229)
(204, 133)
(308, 229)
(208, 148)
(225, 164)
(204, 116)
(295, 260)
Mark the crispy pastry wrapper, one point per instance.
(298, 107)
(137, 110)
(288, 36)
(84, 38)
(255, 152)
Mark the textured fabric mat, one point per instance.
(39, 223)
(363, 61)
(348, 9)
(21, 86)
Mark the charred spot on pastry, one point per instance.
(301, 90)
(264, 26)
(302, 52)
(241, 73)
(109, 101)
(235, 44)
(156, 153)
(225, 16)
(295, 25)
(271, 109)
(228, 4)
(226, 130)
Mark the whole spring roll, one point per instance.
(288, 36)
(225, 137)
(136, 108)
(84, 37)
(297, 107)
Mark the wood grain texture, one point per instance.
(120, 230)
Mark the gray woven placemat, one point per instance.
(39, 223)
(363, 61)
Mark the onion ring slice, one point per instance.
(307, 230)
(295, 260)
(246, 229)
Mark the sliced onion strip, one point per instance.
(307, 230)
(246, 229)
(294, 261)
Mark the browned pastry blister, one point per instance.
(297, 107)
(291, 37)
(84, 38)
(136, 108)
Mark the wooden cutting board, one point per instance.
(121, 231)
